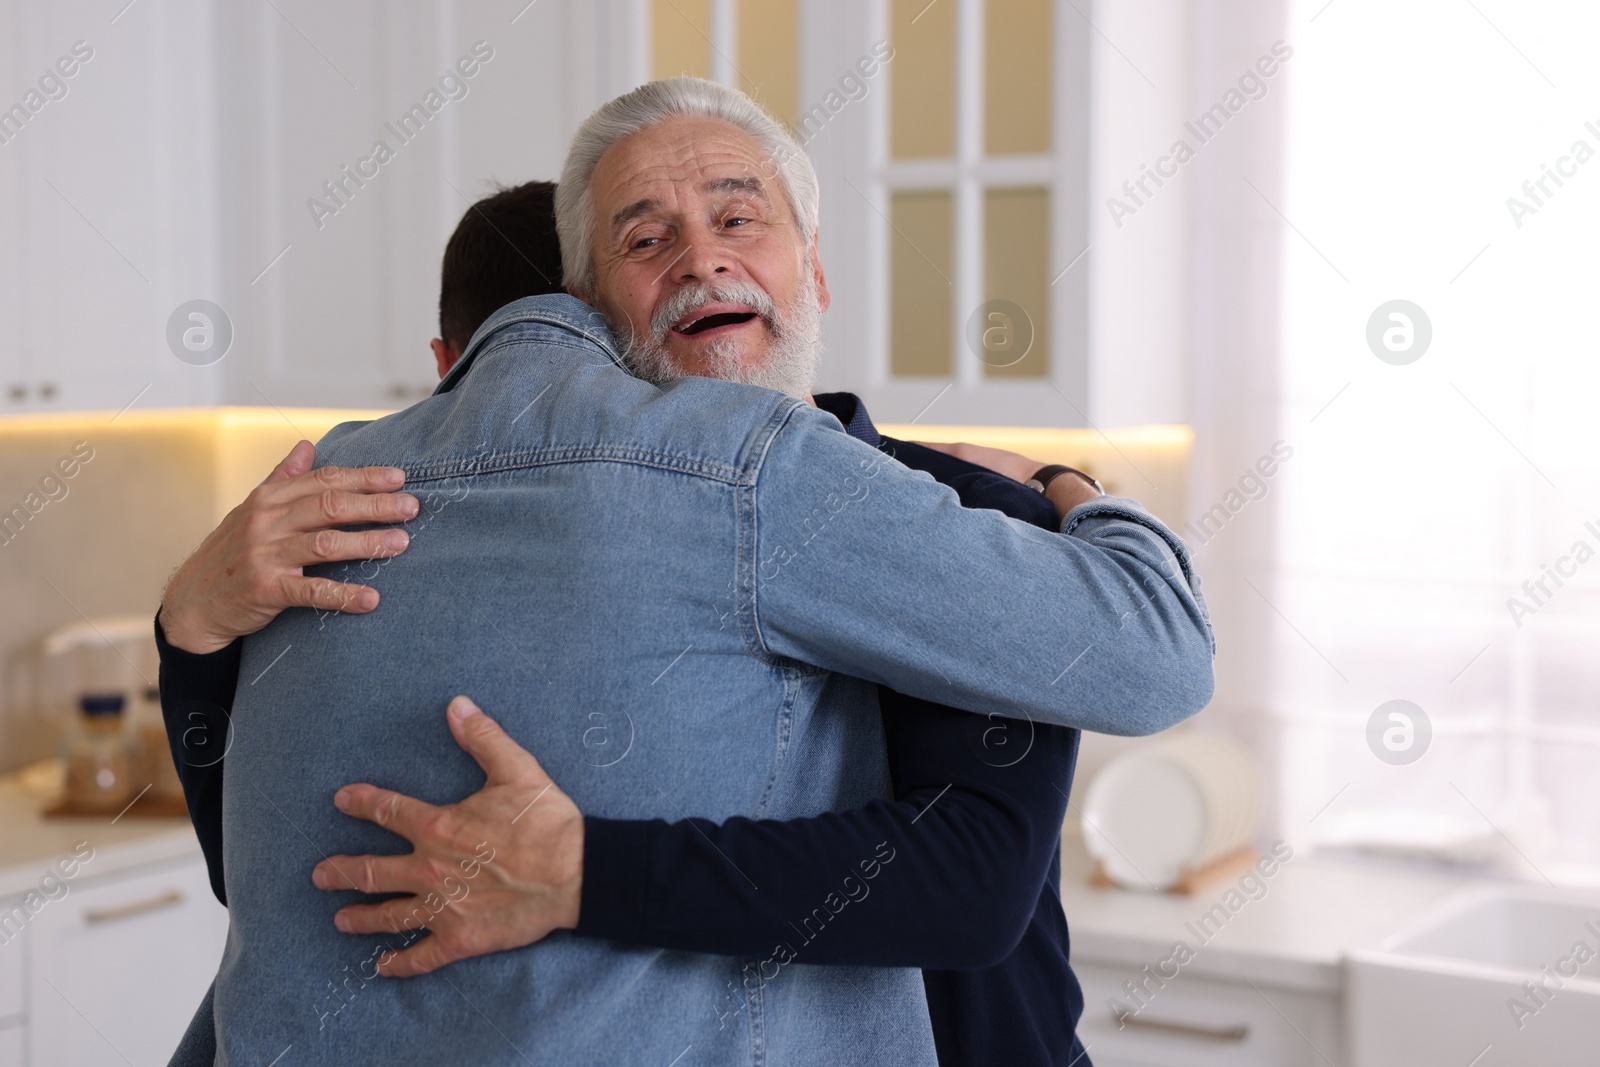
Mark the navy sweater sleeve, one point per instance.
(196, 702)
(947, 875)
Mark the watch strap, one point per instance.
(1045, 475)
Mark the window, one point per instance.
(1438, 529)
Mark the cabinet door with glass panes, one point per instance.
(951, 141)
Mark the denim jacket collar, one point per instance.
(553, 309)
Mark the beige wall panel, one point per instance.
(922, 79)
(768, 59)
(920, 252)
(1016, 262)
(1017, 35)
(682, 32)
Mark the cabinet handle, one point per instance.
(170, 899)
(1232, 1035)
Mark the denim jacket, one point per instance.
(678, 598)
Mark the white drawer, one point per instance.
(118, 967)
(1204, 1022)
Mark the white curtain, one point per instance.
(1386, 558)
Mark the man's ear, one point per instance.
(823, 297)
(444, 355)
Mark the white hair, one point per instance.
(650, 104)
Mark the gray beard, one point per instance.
(791, 363)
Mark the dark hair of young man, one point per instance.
(504, 248)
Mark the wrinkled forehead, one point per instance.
(679, 163)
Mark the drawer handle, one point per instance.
(1232, 1035)
(170, 899)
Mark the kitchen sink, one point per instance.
(1491, 978)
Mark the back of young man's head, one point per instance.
(504, 248)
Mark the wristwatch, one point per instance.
(1045, 475)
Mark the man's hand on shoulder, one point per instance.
(1065, 492)
(498, 870)
(250, 568)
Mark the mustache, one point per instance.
(691, 296)
(794, 331)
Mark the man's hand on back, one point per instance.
(498, 870)
(250, 568)
(1065, 492)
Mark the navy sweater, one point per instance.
(974, 829)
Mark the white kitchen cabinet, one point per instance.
(117, 967)
(332, 279)
(11, 974)
(11, 979)
(108, 203)
(1206, 1022)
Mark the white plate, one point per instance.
(1144, 819)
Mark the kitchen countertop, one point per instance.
(30, 843)
(1295, 937)
(1315, 909)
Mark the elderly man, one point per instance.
(755, 556)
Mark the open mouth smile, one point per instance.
(713, 317)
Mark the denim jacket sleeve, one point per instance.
(859, 565)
